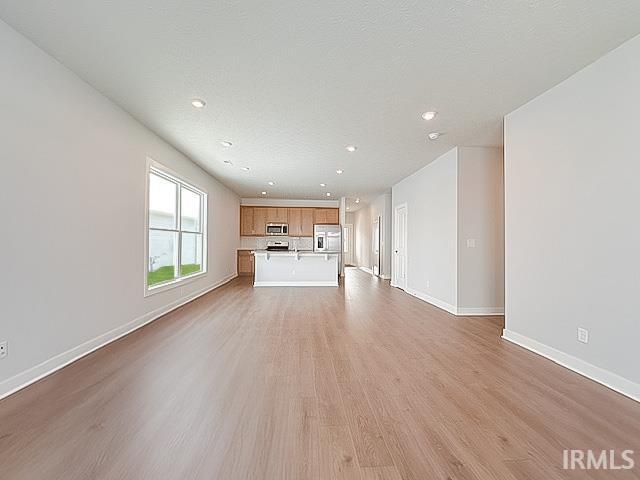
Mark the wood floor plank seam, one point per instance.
(357, 382)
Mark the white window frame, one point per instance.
(162, 171)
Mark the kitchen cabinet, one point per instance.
(326, 216)
(253, 220)
(277, 215)
(295, 222)
(246, 221)
(306, 222)
(245, 262)
(301, 222)
(333, 216)
(259, 221)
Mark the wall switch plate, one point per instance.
(428, 284)
(471, 243)
(4, 349)
(583, 335)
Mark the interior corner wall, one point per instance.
(480, 230)
(72, 205)
(362, 237)
(432, 201)
(572, 221)
(380, 207)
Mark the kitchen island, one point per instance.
(295, 269)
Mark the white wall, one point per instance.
(362, 237)
(572, 207)
(456, 198)
(431, 198)
(286, 202)
(363, 219)
(381, 207)
(480, 222)
(72, 207)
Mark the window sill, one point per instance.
(163, 287)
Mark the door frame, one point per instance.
(406, 247)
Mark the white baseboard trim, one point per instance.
(482, 311)
(33, 374)
(385, 277)
(366, 269)
(432, 300)
(296, 284)
(608, 379)
(458, 311)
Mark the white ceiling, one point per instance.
(291, 83)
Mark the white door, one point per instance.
(347, 248)
(400, 247)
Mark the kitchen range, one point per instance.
(282, 266)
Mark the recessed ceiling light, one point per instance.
(339, 171)
(271, 183)
(347, 208)
(351, 148)
(264, 193)
(323, 184)
(357, 200)
(226, 144)
(246, 169)
(198, 103)
(434, 135)
(328, 194)
(429, 115)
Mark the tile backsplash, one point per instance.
(260, 243)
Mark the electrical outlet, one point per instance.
(4, 349)
(583, 335)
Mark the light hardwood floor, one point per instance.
(357, 382)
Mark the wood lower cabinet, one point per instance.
(245, 263)
(253, 220)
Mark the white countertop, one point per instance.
(293, 253)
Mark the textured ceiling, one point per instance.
(291, 83)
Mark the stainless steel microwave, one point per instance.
(281, 229)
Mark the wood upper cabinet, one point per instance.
(333, 216)
(295, 222)
(301, 222)
(326, 216)
(246, 221)
(306, 222)
(259, 221)
(277, 215)
(253, 220)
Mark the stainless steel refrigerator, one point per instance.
(328, 239)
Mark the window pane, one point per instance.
(163, 256)
(162, 202)
(191, 253)
(190, 206)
